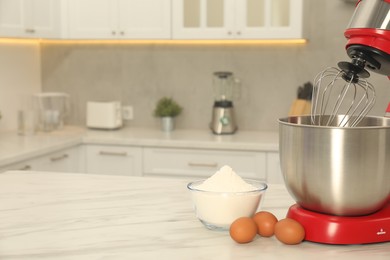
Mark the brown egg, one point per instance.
(243, 230)
(289, 231)
(265, 222)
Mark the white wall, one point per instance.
(20, 75)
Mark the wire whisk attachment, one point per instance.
(341, 98)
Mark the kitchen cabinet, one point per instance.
(27, 165)
(202, 163)
(65, 160)
(274, 173)
(30, 18)
(237, 19)
(114, 160)
(119, 19)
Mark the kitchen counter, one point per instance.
(15, 148)
(77, 216)
(182, 138)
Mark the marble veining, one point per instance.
(78, 216)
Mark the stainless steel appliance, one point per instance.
(336, 165)
(52, 109)
(223, 117)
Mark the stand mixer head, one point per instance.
(345, 90)
(368, 35)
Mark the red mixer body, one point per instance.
(376, 38)
(341, 230)
(369, 32)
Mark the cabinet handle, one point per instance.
(113, 32)
(122, 33)
(113, 153)
(208, 165)
(238, 33)
(57, 158)
(229, 33)
(30, 31)
(25, 168)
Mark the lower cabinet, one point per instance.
(155, 161)
(198, 163)
(19, 166)
(66, 160)
(114, 160)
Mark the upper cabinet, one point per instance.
(151, 19)
(30, 18)
(119, 19)
(237, 19)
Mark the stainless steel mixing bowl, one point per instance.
(336, 170)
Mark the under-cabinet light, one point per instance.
(17, 41)
(181, 42)
(157, 42)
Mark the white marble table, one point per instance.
(78, 216)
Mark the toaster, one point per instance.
(104, 115)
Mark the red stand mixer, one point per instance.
(333, 205)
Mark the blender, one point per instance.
(338, 172)
(223, 119)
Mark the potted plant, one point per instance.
(167, 109)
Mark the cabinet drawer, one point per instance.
(202, 163)
(67, 160)
(115, 160)
(20, 166)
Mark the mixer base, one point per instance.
(329, 229)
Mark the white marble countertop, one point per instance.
(78, 216)
(186, 138)
(15, 148)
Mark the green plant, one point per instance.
(167, 107)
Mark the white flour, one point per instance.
(225, 180)
(219, 210)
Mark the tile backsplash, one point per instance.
(139, 75)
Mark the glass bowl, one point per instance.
(217, 210)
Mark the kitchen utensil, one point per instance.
(52, 109)
(302, 105)
(27, 122)
(27, 116)
(223, 116)
(104, 115)
(336, 170)
(217, 210)
(338, 92)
